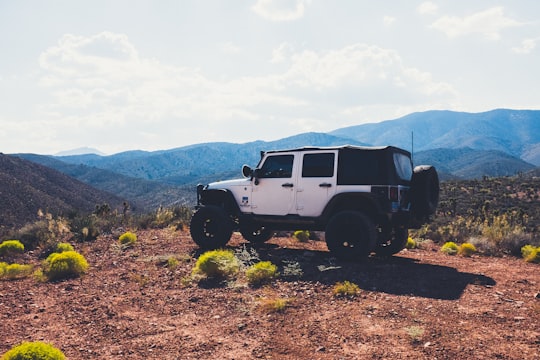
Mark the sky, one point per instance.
(118, 75)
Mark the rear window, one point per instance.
(403, 166)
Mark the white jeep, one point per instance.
(364, 198)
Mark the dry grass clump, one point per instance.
(346, 289)
(261, 272)
(531, 254)
(450, 248)
(33, 351)
(301, 235)
(127, 239)
(217, 264)
(68, 264)
(14, 271)
(466, 249)
(273, 305)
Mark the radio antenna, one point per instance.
(412, 147)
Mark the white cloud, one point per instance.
(388, 20)
(281, 10)
(282, 53)
(488, 23)
(527, 46)
(427, 8)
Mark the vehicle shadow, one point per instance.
(393, 275)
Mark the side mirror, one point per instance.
(247, 171)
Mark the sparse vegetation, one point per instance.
(466, 249)
(411, 243)
(531, 253)
(64, 265)
(11, 247)
(217, 264)
(62, 247)
(14, 271)
(346, 289)
(33, 351)
(261, 272)
(127, 239)
(301, 235)
(273, 305)
(450, 248)
(415, 333)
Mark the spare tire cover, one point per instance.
(424, 191)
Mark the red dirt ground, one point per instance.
(419, 304)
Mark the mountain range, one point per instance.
(461, 145)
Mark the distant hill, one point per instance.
(460, 145)
(79, 151)
(515, 132)
(26, 187)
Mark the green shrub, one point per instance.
(9, 247)
(62, 247)
(410, 244)
(127, 239)
(217, 264)
(261, 272)
(65, 265)
(301, 235)
(466, 249)
(450, 248)
(14, 271)
(33, 351)
(346, 288)
(531, 253)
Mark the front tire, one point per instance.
(350, 235)
(210, 227)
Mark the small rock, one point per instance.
(321, 349)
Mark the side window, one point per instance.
(403, 166)
(318, 165)
(277, 166)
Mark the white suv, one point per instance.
(364, 198)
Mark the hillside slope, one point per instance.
(26, 187)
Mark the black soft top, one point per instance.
(341, 147)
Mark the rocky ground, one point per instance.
(420, 304)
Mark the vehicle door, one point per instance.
(275, 185)
(316, 182)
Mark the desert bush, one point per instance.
(466, 249)
(64, 265)
(177, 216)
(11, 247)
(33, 351)
(45, 232)
(345, 288)
(14, 271)
(127, 239)
(301, 235)
(411, 243)
(86, 227)
(450, 248)
(62, 247)
(531, 253)
(217, 264)
(261, 272)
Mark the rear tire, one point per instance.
(210, 227)
(350, 235)
(395, 244)
(256, 233)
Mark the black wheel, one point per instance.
(396, 243)
(350, 235)
(424, 192)
(256, 233)
(210, 227)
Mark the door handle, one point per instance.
(325, 185)
(287, 185)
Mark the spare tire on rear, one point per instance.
(424, 193)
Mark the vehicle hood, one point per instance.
(226, 184)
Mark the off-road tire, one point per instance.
(350, 235)
(211, 227)
(255, 233)
(424, 193)
(397, 242)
